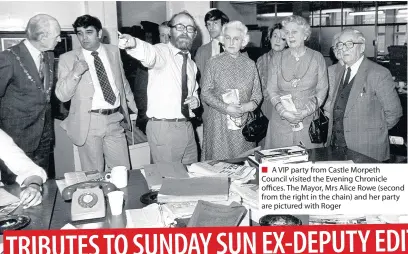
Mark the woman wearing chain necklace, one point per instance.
(264, 64)
(300, 73)
(231, 89)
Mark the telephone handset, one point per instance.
(88, 199)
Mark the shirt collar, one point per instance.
(33, 50)
(175, 50)
(88, 52)
(356, 65)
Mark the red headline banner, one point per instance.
(215, 240)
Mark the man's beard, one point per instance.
(183, 42)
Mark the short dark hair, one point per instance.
(216, 15)
(273, 28)
(87, 21)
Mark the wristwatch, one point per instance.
(35, 186)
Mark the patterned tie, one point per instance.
(347, 80)
(103, 79)
(184, 88)
(221, 47)
(41, 68)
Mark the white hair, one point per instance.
(357, 33)
(239, 26)
(300, 21)
(336, 39)
(40, 24)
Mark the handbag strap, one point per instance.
(316, 115)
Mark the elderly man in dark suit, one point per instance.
(26, 82)
(363, 101)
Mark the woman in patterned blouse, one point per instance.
(264, 64)
(234, 74)
(300, 73)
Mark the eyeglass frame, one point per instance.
(344, 44)
(185, 28)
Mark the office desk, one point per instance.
(54, 215)
(40, 215)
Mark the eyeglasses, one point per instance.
(348, 45)
(182, 28)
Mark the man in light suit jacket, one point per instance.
(93, 78)
(26, 82)
(363, 103)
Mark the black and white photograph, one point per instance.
(92, 92)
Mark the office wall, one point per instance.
(132, 12)
(15, 15)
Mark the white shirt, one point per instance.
(215, 47)
(17, 161)
(164, 86)
(34, 52)
(98, 101)
(354, 68)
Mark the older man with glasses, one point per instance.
(364, 104)
(171, 91)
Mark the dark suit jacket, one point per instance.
(372, 109)
(23, 99)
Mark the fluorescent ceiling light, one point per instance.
(403, 11)
(389, 7)
(323, 15)
(335, 10)
(272, 15)
(401, 16)
(362, 13)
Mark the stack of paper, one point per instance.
(208, 214)
(237, 173)
(290, 154)
(186, 209)
(248, 192)
(193, 189)
(154, 173)
(151, 216)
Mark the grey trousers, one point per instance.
(172, 142)
(106, 141)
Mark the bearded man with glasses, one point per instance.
(171, 92)
(363, 101)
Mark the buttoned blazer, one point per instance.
(373, 108)
(23, 98)
(81, 94)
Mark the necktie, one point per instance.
(184, 88)
(103, 79)
(347, 79)
(41, 68)
(221, 47)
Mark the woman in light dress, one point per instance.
(229, 72)
(301, 73)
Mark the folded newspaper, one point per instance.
(288, 104)
(237, 173)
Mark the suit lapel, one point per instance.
(358, 83)
(86, 77)
(339, 74)
(28, 62)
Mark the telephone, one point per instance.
(88, 199)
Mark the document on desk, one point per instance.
(237, 173)
(7, 198)
(151, 216)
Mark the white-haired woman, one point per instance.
(230, 73)
(301, 73)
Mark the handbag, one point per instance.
(319, 126)
(256, 128)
